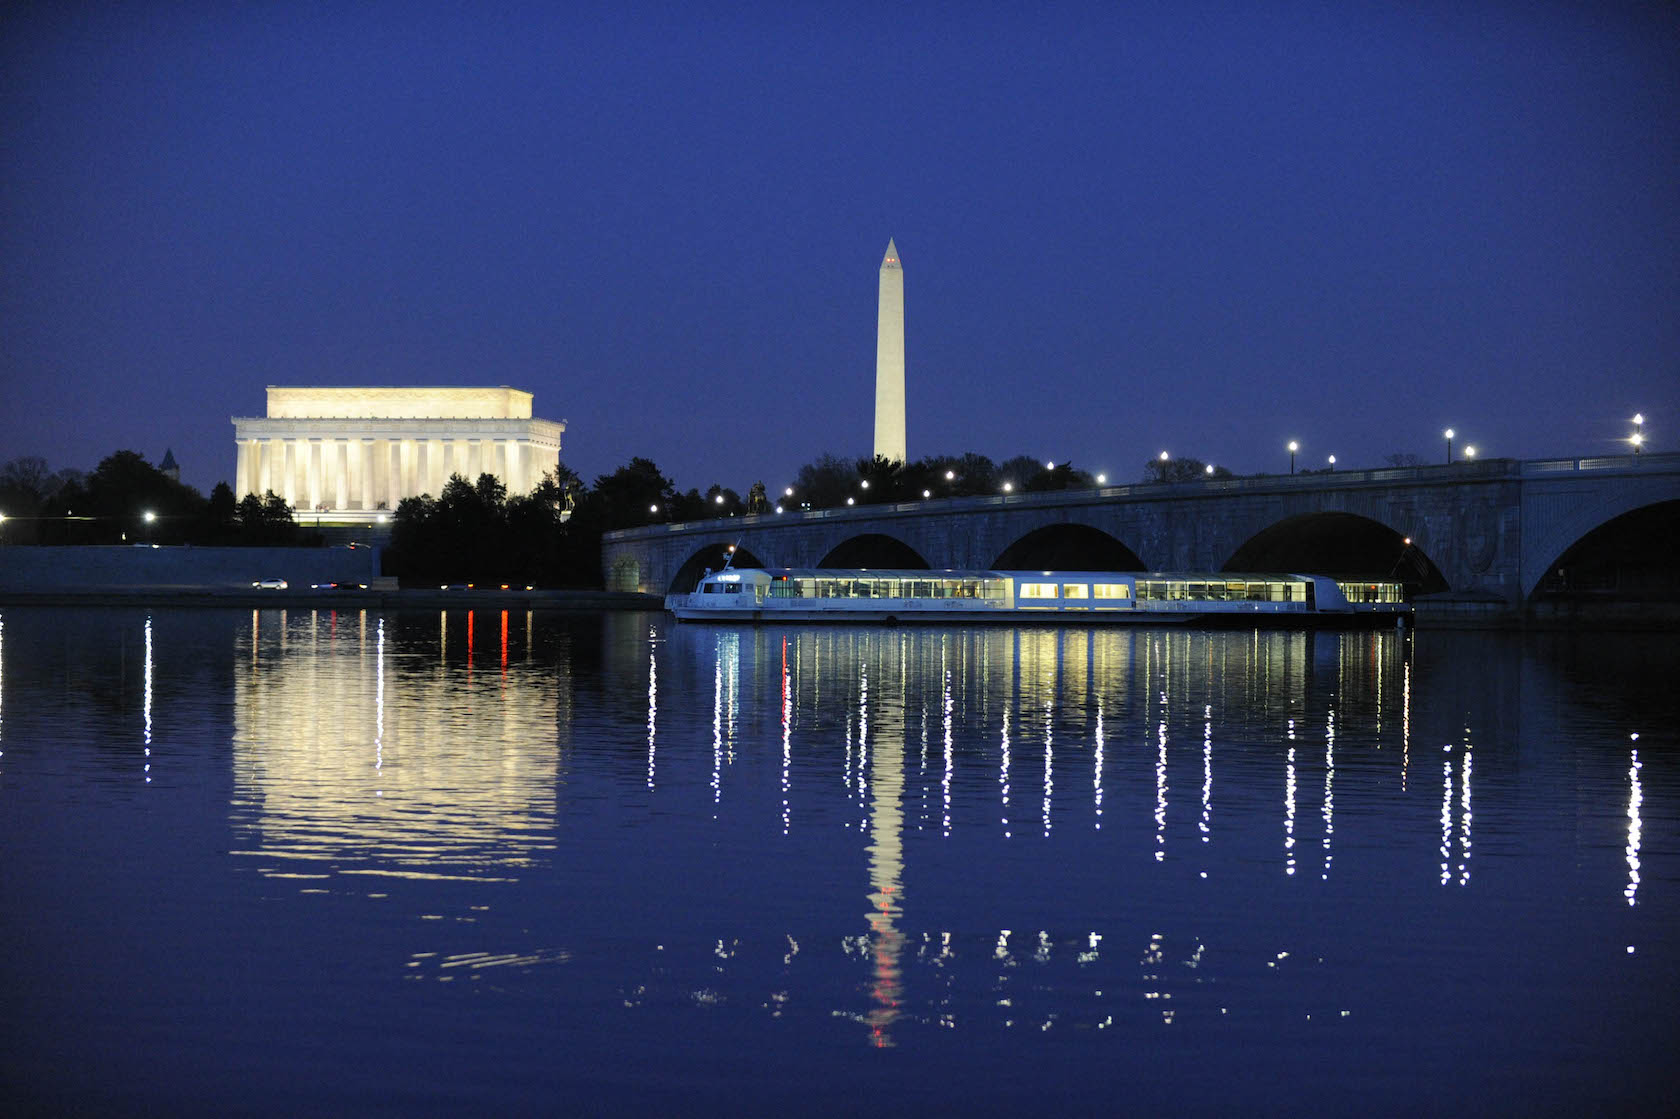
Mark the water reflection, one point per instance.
(354, 754)
(886, 879)
(368, 745)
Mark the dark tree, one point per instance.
(1181, 470)
(825, 483)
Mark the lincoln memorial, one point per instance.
(355, 450)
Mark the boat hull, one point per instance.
(910, 613)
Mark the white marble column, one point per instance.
(515, 467)
(265, 468)
(422, 466)
(393, 473)
(288, 471)
(312, 472)
(341, 473)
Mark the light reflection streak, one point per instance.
(148, 700)
(1161, 789)
(1207, 772)
(653, 710)
(1003, 772)
(787, 737)
(1329, 789)
(379, 710)
(717, 728)
(1636, 799)
(1097, 768)
(1289, 812)
(1464, 833)
(1049, 754)
(1405, 724)
(1446, 817)
(863, 739)
(945, 781)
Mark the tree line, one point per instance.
(127, 500)
(476, 531)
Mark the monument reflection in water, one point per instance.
(616, 855)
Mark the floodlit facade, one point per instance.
(351, 451)
(889, 360)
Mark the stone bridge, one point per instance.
(1491, 529)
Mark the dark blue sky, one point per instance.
(1125, 227)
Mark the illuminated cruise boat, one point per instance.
(1154, 597)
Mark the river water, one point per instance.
(308, 861)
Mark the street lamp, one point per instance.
(1449, 434)
(1638, 437)
(1332, 464)
(1208, 469)
(1293, 447)
(1102, 479)
(1469, 452)
(1008, 487)
(950, 475)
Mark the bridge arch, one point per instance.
(1633, 555)
(1068, 546)
(713, 556)
(1338, 543)
(874, 549)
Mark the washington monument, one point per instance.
(889, 360)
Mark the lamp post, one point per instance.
(1638, 437)
(1293, 447)
(1332, 464)
(1449, 434)
(1469, 452)
(149, 517)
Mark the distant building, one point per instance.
(169, 466)
(347, 452)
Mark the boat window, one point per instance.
(1112, 590)
(1038, 590)
(1076, 590)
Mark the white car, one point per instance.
(271, 584)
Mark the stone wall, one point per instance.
(144, 567)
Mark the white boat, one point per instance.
(744, 594)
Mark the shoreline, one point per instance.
(372, 598)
